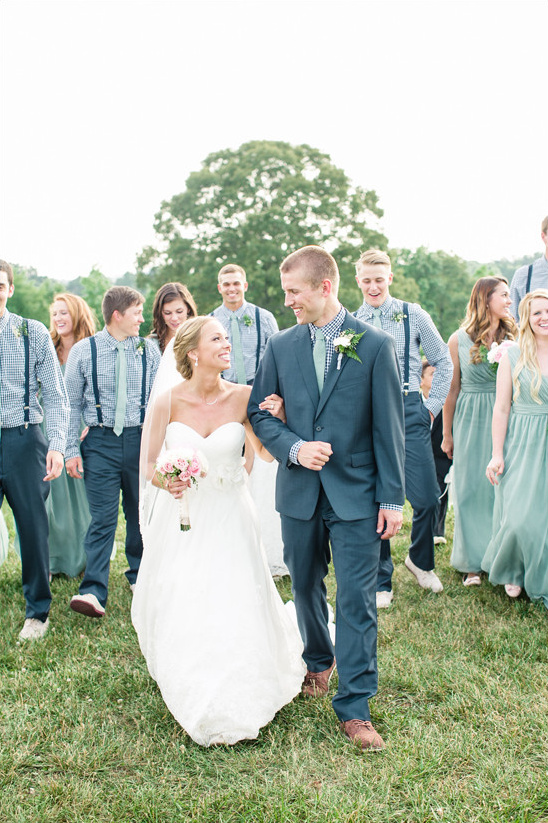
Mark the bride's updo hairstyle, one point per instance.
(187, 338)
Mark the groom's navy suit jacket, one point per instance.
(360, 413)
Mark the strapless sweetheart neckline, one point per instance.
(207, 436)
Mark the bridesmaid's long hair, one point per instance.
(528, 358)
(477, 323)
(83, 320)
(166, 294)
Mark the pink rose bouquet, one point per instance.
(184, 463)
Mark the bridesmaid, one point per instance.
(467, 417)
(173, 304)
(67, 506)
(517, 555)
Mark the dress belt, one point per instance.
(479, 389)
(537, 411)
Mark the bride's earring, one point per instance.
(196, 361)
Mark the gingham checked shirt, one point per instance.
(248, 336)
(423, 333)
(331, 331)
(539, 280)
(78, 378)
(45, 374)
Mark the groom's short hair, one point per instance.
(317, 265)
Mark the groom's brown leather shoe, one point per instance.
(316, 684)
(362, 734)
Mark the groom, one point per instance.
(340, 479)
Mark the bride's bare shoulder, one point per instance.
(239, 394)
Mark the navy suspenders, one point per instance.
(143, 381)
(25, 331)
(93, 347)
(258, 324)
(529, 275)
(407, 332)
(95, 384)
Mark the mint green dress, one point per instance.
(473, 496)
(68, 518)
(518, 550)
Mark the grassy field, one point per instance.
(462, 705)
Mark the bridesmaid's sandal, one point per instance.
(471, 579)
(512, 590)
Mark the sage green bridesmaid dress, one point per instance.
(68, 518)
(473, 495)
(518, 550)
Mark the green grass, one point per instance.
(462, 705)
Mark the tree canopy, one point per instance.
(253, 206)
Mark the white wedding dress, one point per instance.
(224, 650)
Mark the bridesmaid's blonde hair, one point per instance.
(528, 357)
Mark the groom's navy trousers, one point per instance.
(355, 547)
(111, 465)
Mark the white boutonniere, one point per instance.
(22, 328)
(345, 344)
(398, 316)
(140, 346)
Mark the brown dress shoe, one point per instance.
(362, 734)
(316, 684)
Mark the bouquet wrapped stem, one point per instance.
(184, 514)
(183, 464)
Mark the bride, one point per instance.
(215, 634)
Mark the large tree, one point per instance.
(253, 206)
(443, 280)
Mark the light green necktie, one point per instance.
(377, 318)
(121, 390)
(239, 364)
(319, 357)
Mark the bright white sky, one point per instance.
(107, 106)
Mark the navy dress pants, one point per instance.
(355, 547)
(111, 465)
(22, 469)
(421, 489)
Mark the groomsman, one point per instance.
(412, 328)
(528, 278)
(248, 326)
(109, 377)
(27, 462)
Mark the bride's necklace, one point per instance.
(210, 402)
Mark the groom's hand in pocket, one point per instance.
(314, 455)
